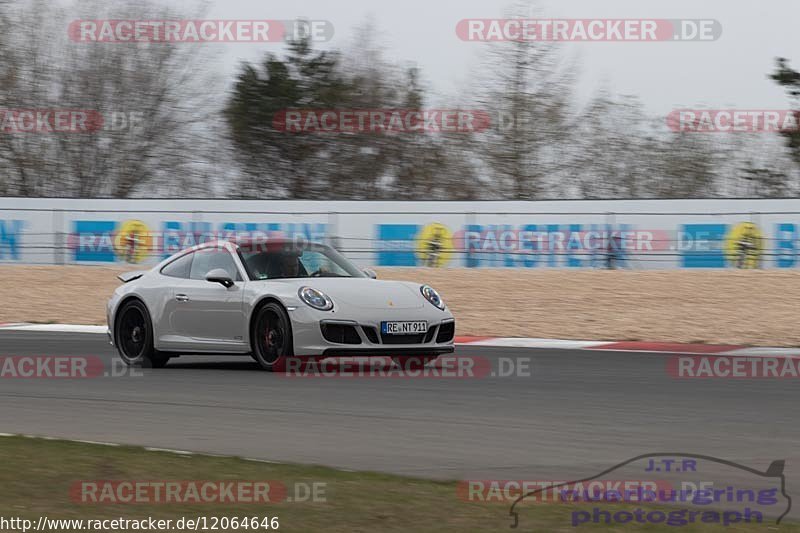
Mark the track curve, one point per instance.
(578, 411)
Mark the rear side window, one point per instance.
(180, 268)
(210, 259)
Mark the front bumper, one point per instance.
(364, 336)
(357, 351)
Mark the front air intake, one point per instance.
(371, 333)
(446, 332)
(340, 333)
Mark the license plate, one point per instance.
(404, 328)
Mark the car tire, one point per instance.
(272, 338)
(413, 362)
(134, 337)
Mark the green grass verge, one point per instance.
(36, 476)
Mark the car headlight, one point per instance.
(432, 296)
(315, 298)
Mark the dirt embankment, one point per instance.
(725, 307)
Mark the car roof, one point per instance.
(246, 242)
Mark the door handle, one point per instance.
(181, 298)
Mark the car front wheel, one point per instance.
(272, 338)
(134, 337)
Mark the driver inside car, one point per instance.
(286, 265)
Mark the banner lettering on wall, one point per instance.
(507, 246)
(640, 234)
(740, 245)
(133, 241)
(10, 239)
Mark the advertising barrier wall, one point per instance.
(634, 234)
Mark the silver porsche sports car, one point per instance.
(275, 300)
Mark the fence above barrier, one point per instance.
(636, 234)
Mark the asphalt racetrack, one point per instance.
(576, 414)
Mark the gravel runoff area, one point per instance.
(719, 307)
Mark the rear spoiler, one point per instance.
(130, 276)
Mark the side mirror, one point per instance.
(370, 273)
(220, 275)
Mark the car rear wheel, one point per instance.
(413, 362)
(134, 337)
(272, 338)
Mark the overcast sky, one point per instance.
(731, 72)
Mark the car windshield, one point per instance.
(291, 261)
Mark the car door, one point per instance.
(173, 275)
(207, 315)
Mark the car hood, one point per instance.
(365, 293)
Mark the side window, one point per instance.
(179, 268)
(212, 258)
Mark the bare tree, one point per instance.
(686, 166)
(156, 101)
(527, 94)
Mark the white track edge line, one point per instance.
(183, 453)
